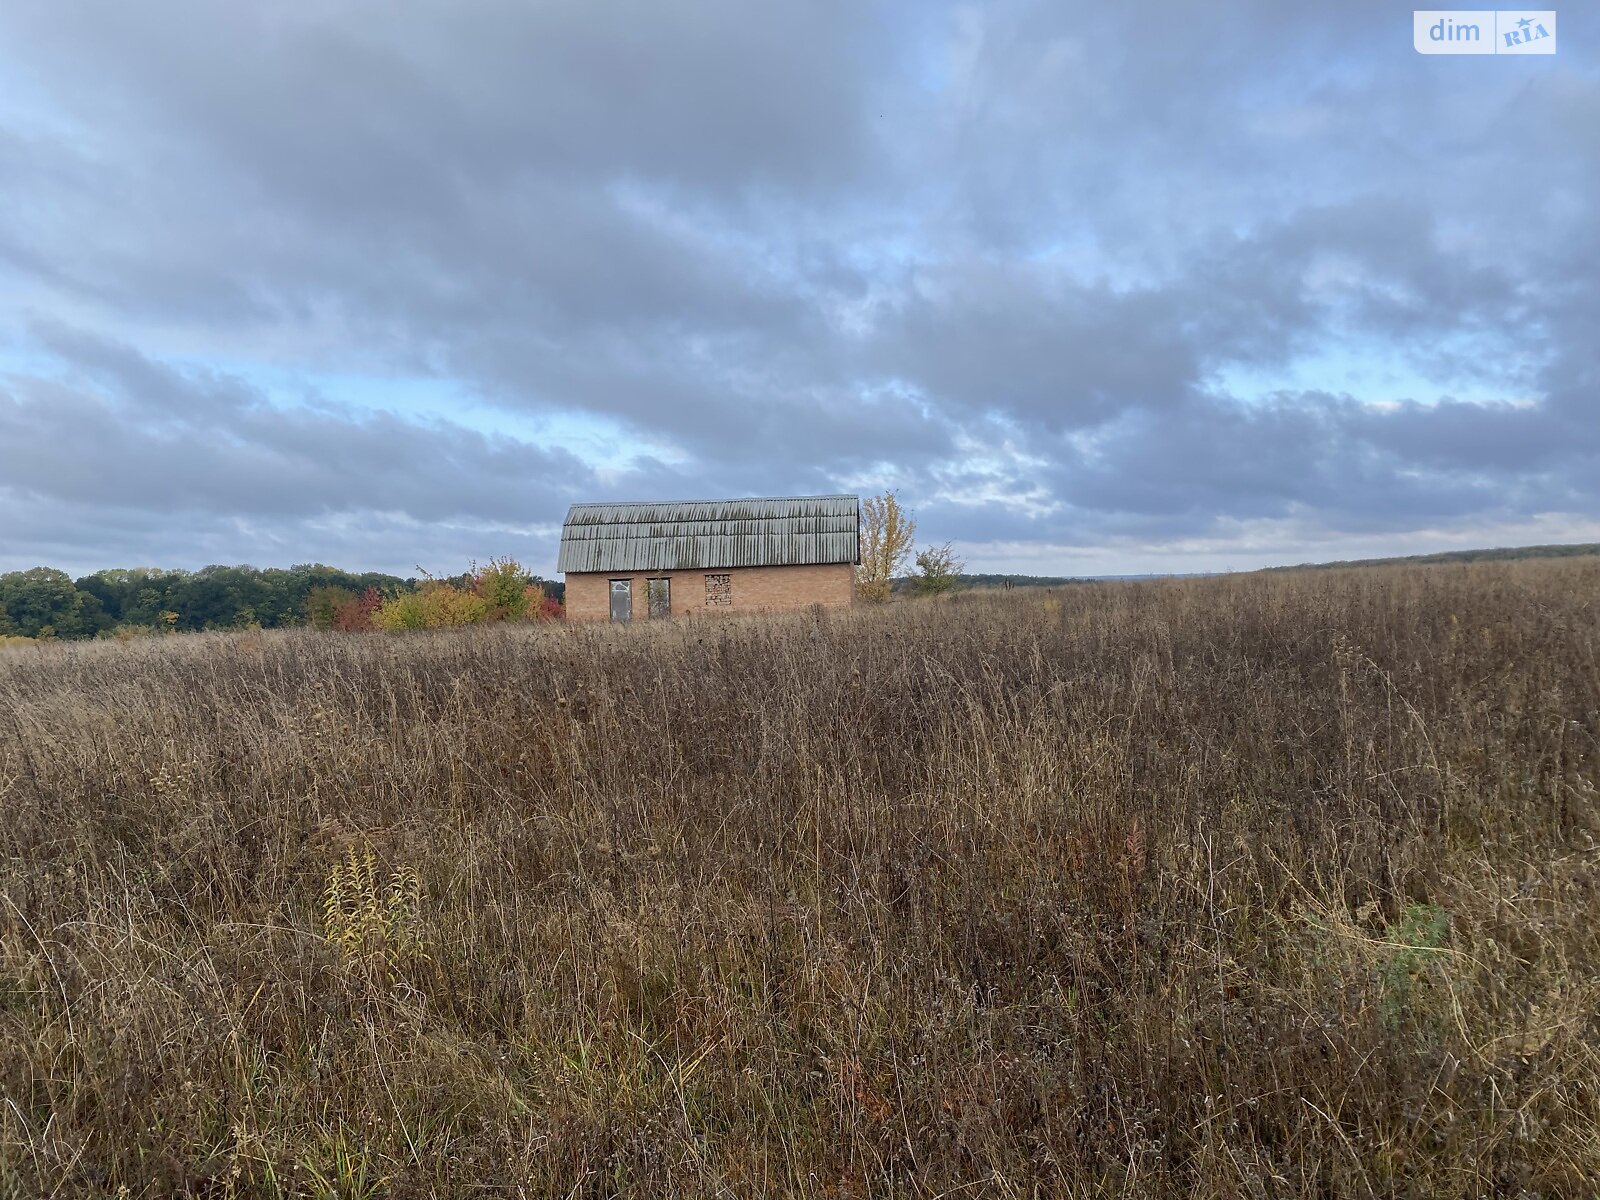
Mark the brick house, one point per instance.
(637, 561)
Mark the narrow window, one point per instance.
(622, 599)
(719, 591)
(659, 592)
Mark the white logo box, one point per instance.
(1484, 31)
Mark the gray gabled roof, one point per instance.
(778, 531)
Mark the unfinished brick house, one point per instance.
(627, 562)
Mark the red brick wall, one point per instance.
(755, 589)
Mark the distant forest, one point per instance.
(907, 584)
(44, 602)
(1504, 553)
(1456, 556)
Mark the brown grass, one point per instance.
(1246, 887)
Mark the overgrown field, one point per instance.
(1257, 886)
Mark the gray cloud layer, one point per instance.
(1073, 276)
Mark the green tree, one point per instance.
(938, 571)
(44, 598)
(503, 587)
(130, 597)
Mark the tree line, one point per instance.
(45, 603)
(1497, 554)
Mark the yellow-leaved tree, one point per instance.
(886, 533)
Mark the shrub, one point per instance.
(372, 917)
(357, 613)
(404, 611)
(130, 632)
(323, 605)
(1411, 944)
(503, 586)
(444, 605)
(500, 591)
(938, 571)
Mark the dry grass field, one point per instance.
(1255, 886)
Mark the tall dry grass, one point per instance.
(1245, 887)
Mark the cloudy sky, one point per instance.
(1148, 286)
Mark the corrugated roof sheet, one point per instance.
(775, 531)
